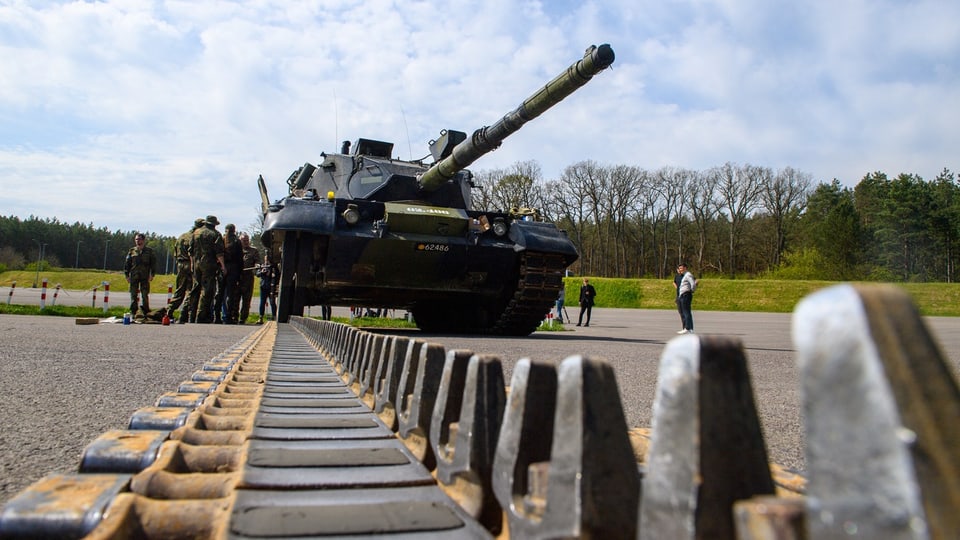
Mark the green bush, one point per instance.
(804, 264)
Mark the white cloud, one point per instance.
(136, 115)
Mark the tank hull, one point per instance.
(462, 281)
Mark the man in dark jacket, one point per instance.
(233, 262)
(251, 263)
(587, 295)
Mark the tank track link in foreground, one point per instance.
(316, 429)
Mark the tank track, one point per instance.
(538, 285)
(314, 429)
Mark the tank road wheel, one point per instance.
(294, 262)
(461, 319)
(432, 317)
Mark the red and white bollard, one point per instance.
(43, 294)
(10, 296)
(106, 296)
(94, 303)
(169, 293)
(56, 293)
(550, 318)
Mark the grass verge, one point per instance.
(713, 294)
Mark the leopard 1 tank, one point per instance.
(363, 228)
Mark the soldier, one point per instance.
(181, 250)
(207, 259)
(251, 263)
(268, 292)
(233, 261)
(139, 268)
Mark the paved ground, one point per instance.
(66, 384)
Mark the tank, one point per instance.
(365, 229)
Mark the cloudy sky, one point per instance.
(142, 115)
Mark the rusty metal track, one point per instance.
(315, 429)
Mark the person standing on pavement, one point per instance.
(268, 280)
(207, 258)
(677, 278)
(251, 263)
(139, 268)
(181, 250)
(688, 284)
(561, 298)
(233, 262)
(587, 296)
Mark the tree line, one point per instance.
(742, 221)
(731, 220)
(50, 243)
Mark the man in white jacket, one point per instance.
(687, 286)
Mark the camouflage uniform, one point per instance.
(181, 250)
(268, 278)
(233, 263)
(251, 262)
(207, 256)
(218, 304)
(139, 268)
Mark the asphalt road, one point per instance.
(67, 384)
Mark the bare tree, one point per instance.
(625, 183)
(587, 181)
(520, 186)
(739, 189)
(564, 202)
(482, 194)
(704, 208)
(784, 196)
(11, 258)
(671, 183)
(255, 228)
(642, 205)
(654, 214)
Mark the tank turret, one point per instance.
(366, 229)
(488, 138)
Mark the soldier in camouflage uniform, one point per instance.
(139, 268)
(268, 293)
(251, 263)
(233, 262)
(181, 250)
(207, 258)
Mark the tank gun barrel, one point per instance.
(488, 138)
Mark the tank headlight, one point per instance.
(499, 227)
(351, 215)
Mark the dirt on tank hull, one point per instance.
(364, 229)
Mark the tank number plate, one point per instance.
(433, 247)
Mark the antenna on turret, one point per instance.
(336, 117)
(407, 129)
